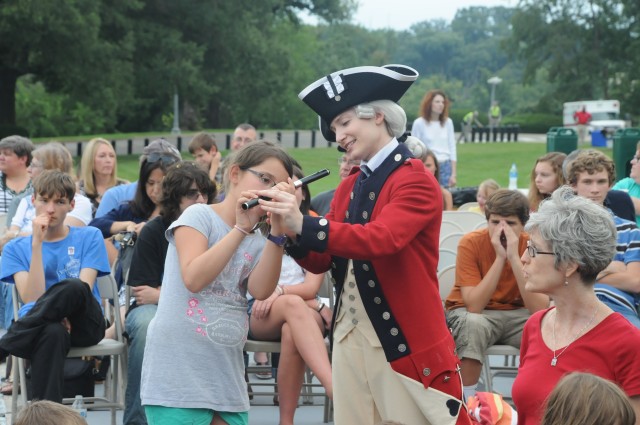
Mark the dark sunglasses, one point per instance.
(192, 194)
(166, 159)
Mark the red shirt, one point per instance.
(582, 117)
(610, 350)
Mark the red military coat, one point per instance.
(398, 239)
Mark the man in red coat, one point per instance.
(393, 356)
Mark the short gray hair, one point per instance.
(577, 230)
(394, 116)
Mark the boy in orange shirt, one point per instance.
(488, 304)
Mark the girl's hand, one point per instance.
(283, 208)
(327, 316)
(247, 219)
(262, 308)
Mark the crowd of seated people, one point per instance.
(505, 273)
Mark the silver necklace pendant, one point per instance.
(554, 361)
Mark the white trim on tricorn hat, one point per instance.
(331, 95)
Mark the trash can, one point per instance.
(625, 141)
(598, 139)
(562, 139)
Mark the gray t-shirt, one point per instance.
(193, 355)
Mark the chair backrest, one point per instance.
(448, 227)
(326, 289)
(481, 225)
(468, 220)
(109, 292)
(446, 280)
(451, 241)
(467, 205)
(447, 258)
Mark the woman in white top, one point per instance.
(435, 129)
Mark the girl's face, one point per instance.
(430, 164)
(154, 185)
(360, 138)
(193, 196)
(261, 176)
(104, 161)
(35, 168)
(482, 196)
(437, 105)
(635, 167)
(545, 178)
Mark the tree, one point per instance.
(582, 42)
(78, 47)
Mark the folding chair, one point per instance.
(447, 258)
(468, 220)
(115, 383)
(451, 241)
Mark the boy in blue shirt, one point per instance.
(54, 270)
(591, 175)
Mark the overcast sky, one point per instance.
(401, 14)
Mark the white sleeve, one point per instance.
(451, 139)
(21, 211)
(82, 209)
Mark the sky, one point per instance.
(401, 14)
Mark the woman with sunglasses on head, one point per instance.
(184, 185)
(294, 315)
(132, 216)
(98, 171)
(572, 240)
(193, 369)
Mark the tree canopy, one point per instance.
(86, 66)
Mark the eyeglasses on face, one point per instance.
(533, 251)
(165, 158)
(193, 194)
(342, 161)
(636, 158)
(264, 179)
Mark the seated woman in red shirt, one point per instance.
(571, 240)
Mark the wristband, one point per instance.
(244, 232)
(280, 290)
(278, 240)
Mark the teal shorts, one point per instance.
(161, 415)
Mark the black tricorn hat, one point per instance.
(341, 90)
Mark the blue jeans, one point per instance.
(6, 304)
(445, 172)
(628, 314)
(136, 325)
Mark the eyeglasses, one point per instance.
(636, 158)
(193, 194)
(533, 251)
(165, 158)
(352, 162)
(264, 179)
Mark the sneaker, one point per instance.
(266, 374)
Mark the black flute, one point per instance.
(305, 180)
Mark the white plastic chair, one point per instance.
(116, 381)
(446, 281)
(451, 241)
(467, 205)
(468, 220)
(448, 227)
(447, 258)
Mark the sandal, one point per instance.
(6, 388)
(266, 374)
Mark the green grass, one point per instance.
(476, 162)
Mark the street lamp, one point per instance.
(176, 113)
(494, 81)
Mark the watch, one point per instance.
(278, 240)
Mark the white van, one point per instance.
(605, 115)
